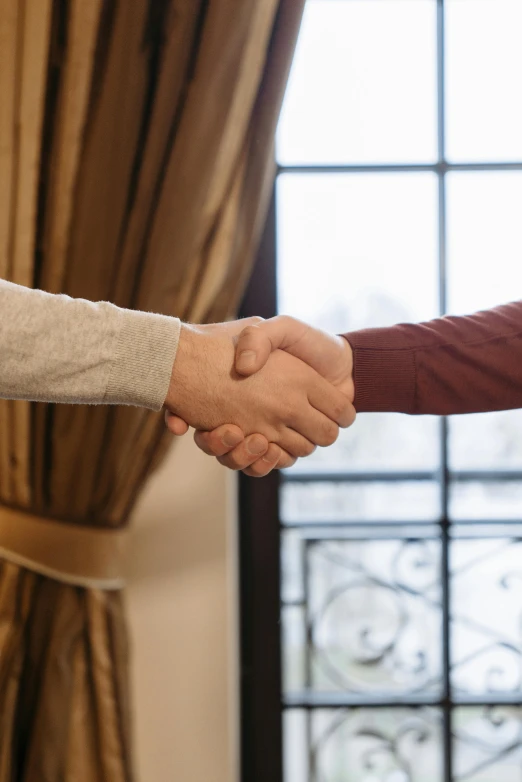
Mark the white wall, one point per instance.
(181, 606)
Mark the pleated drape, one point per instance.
(136, 163)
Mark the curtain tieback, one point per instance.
(81, 556)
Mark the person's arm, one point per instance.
(54, 348)
(466, 364)
(57, 349)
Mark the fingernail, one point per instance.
(246, 360)
(256, 446)
(230, 439)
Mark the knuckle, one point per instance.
(226, 462)
(232, 461)
(304, 448)
(213, 444)
(289, 412)
(347, 416)
(260, 470)
(250, 331)
(251, 472)
(201, 441)
(286, 460)
(285, 320)
(350, 416)
(340, 410)
(330, 432)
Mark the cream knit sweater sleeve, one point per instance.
(57, 349)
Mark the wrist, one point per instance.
(348, 373)
(183, 368)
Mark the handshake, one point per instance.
(260, 393)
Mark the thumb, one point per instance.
(255, 343)
(252, 350)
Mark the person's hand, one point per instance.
(233, 329)
(328, 354)
(224, 439)
(286, 401)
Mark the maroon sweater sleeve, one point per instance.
(468, 364)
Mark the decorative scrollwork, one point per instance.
(374, 616)
(384, 610)
(488, 739)
(377, 746)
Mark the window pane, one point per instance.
(487, 500)
(484, 239)
(380, 441)
(374, 608)
(293, 637)
(486, 633)
(487, 441)
(360, 67)
(483, 67)
(488, 743)
(295, 745)
(356, 250)
(402, 501)
(377, 745)
(292, 566)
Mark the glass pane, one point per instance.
(292, 566)
(294, 648)
(486, 634)
(487, 743)
(376, 745)
(381, 442)
(484, 239)
(357, 501)
(486, 500)
(483, 66)
(357, 250)
(488, 441)
(360, 67)
(295, 746)
(374, 607)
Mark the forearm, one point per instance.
(450, 365)
(57, 349)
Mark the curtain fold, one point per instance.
(136, 164)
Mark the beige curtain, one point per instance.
(136, 149)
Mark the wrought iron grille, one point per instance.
(372, 650)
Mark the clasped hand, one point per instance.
(259, 393)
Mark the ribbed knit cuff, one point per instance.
(143, 359)
(384, 375)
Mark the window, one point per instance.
(393, 559)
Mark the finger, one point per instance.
(219, 441)
(285, 460)
(261, 467)
(256, 343)
(175, 425)
(295, 444)
(248, 452)
(313, 425)
(332, 403)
